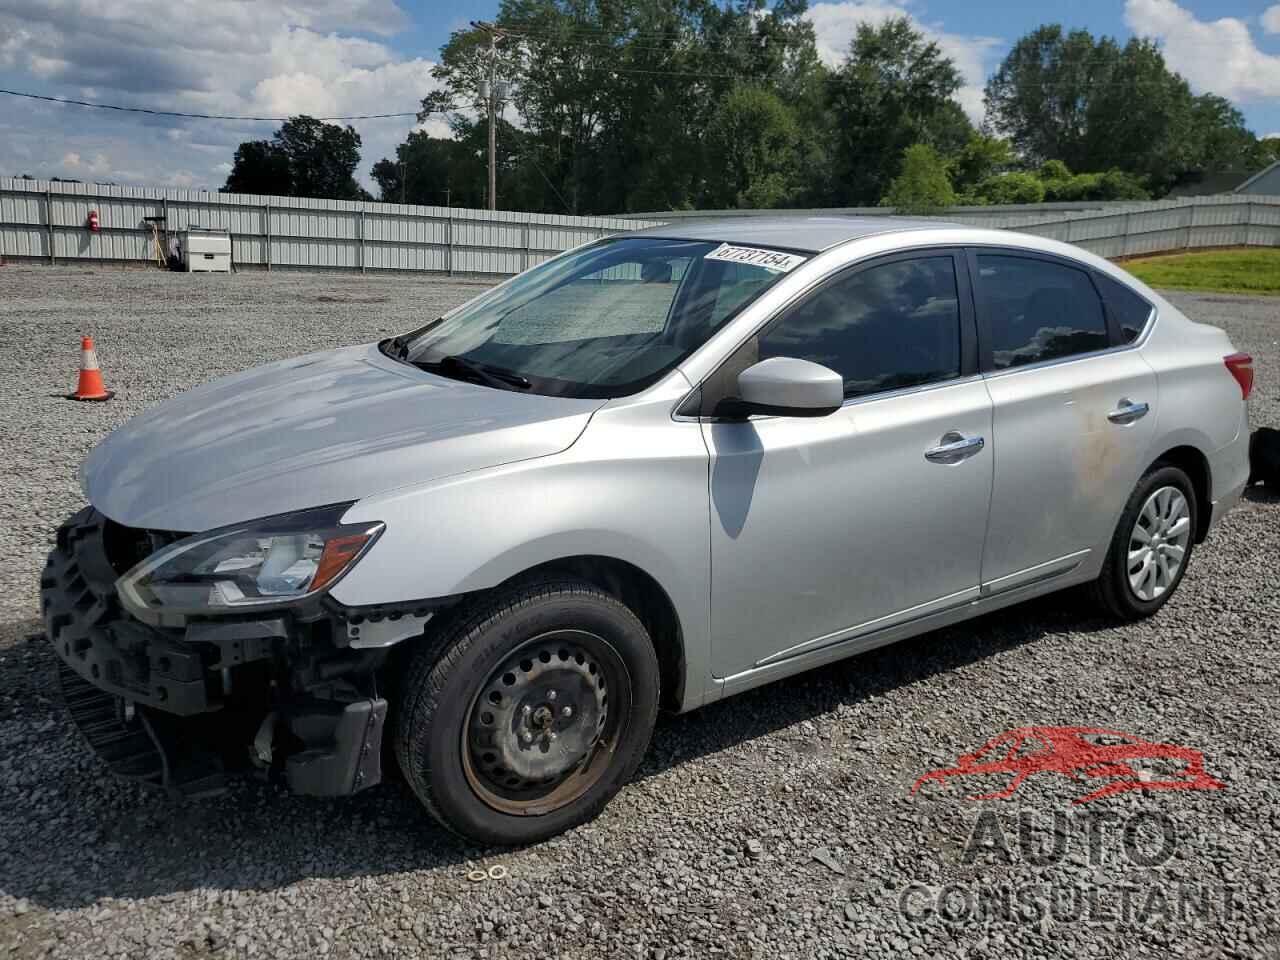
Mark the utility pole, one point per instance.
(493, 120)
(492, 95)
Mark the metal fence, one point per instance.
(1109, 229)
(45, 221)
(40, 220)
(1165, 226)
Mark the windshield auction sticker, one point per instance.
(754, 257)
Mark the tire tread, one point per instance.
(434, 663)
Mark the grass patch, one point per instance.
(1253, 270)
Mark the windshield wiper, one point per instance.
(493, 376)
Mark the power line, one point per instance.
(191, 116)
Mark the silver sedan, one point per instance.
(657, 470)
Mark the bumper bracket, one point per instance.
(343, 753)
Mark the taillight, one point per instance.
(1241, 367)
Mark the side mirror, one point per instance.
(785, 387)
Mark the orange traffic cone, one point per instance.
(90, 386)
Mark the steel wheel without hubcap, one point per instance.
(544, 725)
(1158, 543)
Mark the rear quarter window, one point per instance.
(1130, 310)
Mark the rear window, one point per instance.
(1130, 310)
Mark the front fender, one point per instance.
(630, 491)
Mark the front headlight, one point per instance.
(270, 561)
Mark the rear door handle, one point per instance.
(954, 448)
(1128, 411)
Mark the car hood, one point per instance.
(319, 429)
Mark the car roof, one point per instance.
(807, 234)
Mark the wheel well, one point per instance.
(1194, 464)
(647, 600)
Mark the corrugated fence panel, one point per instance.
(1154, 241)
(107, 245)
(21, 208)
(248, 250)
(405, 257)
(478, 233)
(393, 229)
(23, 242)
(308, 252)
(369, 235)
(323, 224)
(1264, 213)
(1256, 235)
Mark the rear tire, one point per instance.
(529, 713)
(1151, 547)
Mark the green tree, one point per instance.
(1014, 187)
(1121, 185)
(305, 158)
(751, 148)
(1097, 105)
(981, 157)
(923, 186)
(894, 90)
(260, 166)
(438, 170)
(1039, 96)
(1266, 152)
(1219, 139)
(616, 98)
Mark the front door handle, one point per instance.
(1128, 411)
(954, 448)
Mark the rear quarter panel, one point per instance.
(1200, 403)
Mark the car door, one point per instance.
(1074, 414)
(825, 529)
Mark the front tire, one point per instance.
(1151, 547)
(529, 713)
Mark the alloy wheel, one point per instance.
(1158, 543)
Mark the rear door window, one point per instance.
(1037, 310)
(881, 328)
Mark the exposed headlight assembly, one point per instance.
(275, 560)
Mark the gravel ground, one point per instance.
(776, 824)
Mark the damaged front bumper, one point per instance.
(178, 706)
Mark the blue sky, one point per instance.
(342, 57)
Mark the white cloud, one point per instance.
(1271, 19)
(182, 178)
(1217, 56)
(241, 57)
(71, 159)
(835, 24)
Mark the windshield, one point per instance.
(605, 321)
